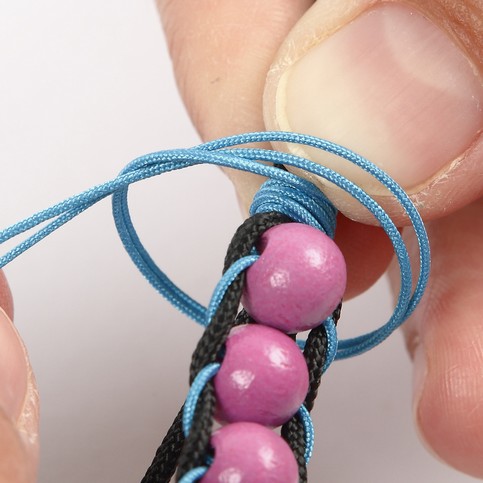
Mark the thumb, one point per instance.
(18, 403)
(445, 339)
(399, 83)
(221, 54)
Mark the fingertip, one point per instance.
(27, 423)
(18, 394)
(387, 80)
(445, 338)
(6, 300)
(16, 464)
(367, 251)
(448, 399)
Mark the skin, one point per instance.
(223, 94)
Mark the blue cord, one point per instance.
(285, 192)
(304, 416)
(227, 279)
(194, 475)
(207, 373)
(301, 201)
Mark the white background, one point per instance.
(84, 88)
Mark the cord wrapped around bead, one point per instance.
(248, 369)
(288, 194)
(274, 296)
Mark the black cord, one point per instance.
(166, 458)
(186, 454)
(315, 353)
(197, 446)
(174, 449)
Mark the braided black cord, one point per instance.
(240, 246)
(243, 318)
(215, 335)
(166, 458)
(315, 352)
(293, 430)
(293, 433)
(208, 348)
(196, 446)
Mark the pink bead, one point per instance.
(298, 280)
(263, 377)
(250, 453)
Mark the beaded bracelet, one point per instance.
(248, 370)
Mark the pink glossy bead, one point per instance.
(298, 280)
(263, 377)
(250, 453)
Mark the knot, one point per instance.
(298, 199)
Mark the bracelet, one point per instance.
(249, 371)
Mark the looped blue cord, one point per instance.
(284, 186)
(194, 475)
(194, 393)
(227, 279)
(207, 373)
(302, 202)
(309, 433)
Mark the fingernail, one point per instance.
(13, 369)
(392, 86)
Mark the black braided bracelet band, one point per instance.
(176, 452)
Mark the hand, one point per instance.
(18, 401)
(405, 92)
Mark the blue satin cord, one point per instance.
(222, 286)
(284, 192)
(194, 475)
(197, 386)
(304, 416)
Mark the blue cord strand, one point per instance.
(304, 416)
(207, 373)
(301, 201)
(194, 475)
(227, 279)
(284, 192)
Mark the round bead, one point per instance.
(250, 453)
(298, 281)
(263, 377)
